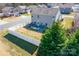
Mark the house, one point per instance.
(10, 11)
(15, 12)
(32, 6)
(2, 5)
(75, 8)
(7, 11)
(51, 5)
(45, 15)
(76, 21)
(28, 11)
(22, 8)
(42, 5)
(43, 18)
(1, 14)
(65, 8)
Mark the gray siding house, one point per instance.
(10, 11)
(75, 8)
(76, 21)
(45, 15)
(22, 9)
(7, 10)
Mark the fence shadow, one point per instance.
(21, 43)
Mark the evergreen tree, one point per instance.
(77, 40)
(52, 41)
(70, 48)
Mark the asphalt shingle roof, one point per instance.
(45, 11)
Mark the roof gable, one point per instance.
(45, 11)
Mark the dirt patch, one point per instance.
(12, 18)
(4, 50)
(30, 33)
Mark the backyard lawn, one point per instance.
(25, 14)
(28, 47)
(11, 48)
(11, 18)
(2, 22)
(30, 33)
(67, 22)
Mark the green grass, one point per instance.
(21, 43)
(25, 14)
(67, 22)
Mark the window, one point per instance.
(53, 17)
(38, 16)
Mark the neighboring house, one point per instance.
(45, 15)
(42, 5)
(15, 12)
(75, 8)
(32, 6)
(10, 11)
(1, 14)
(65, 8)
(22, 9)
(51, 5)
(28, 10)
(76, 21)
(7, 11)
(2, 5)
